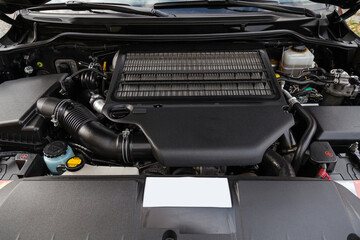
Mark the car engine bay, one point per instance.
(187, 120)
(182, 109)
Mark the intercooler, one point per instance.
(200, 108)
(181, 75)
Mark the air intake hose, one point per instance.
(81, 123)
(275, 165)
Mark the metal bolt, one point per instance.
(354, 147)
(28, 69)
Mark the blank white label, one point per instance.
(187, 192)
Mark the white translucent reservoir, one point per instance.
(295, 59)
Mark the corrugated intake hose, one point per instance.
(276, 165)
(82, 124)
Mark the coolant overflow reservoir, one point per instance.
(295, 59)
(57, 153)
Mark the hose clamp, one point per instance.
(55, 116)
(292, 102)
(124, 145)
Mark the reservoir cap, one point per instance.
(299, 48)
(322, 152)
(74, 164)
(55, 149)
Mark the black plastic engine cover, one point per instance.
(111, 208)
(338, 125)
(217, 127)
(229, 135)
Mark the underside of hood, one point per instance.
(10, 6)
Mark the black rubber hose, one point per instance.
(306, 72)
(275, 165)
(82, 124)
(306, 138)
(95, 160)
(299, 82)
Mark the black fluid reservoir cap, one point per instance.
(299, 48)
(55, 149)
(322, 152)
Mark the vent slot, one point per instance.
(147, 76)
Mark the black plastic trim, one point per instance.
(181, 37)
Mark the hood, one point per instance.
(341, 3)
(10, 6)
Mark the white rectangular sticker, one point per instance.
(187, 192)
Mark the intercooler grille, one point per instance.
(194, 74)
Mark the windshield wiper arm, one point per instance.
(279, 8)
(226, 3)
(77, 5)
